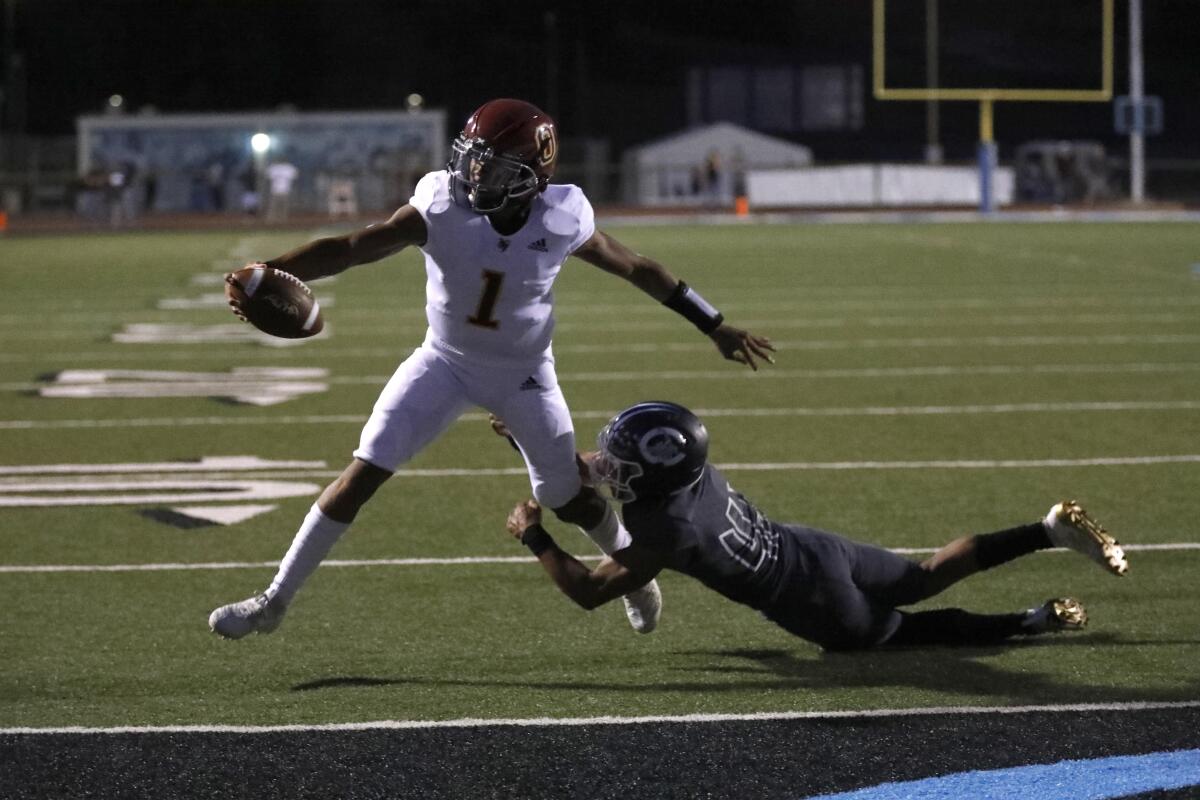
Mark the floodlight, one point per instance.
(260, 142)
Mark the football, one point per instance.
(274, 301)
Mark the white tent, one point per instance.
(703, 166)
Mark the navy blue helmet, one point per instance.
(649, 449)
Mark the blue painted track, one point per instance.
(1091, 779)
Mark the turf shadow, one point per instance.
(944, 669)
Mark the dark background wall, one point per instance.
(612, 69)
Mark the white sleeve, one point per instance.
(424, 193)
(587, 222)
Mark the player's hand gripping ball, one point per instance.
(274, 301)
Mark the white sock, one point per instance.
(609, 534)
(312, 543)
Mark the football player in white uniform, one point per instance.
(495, 233)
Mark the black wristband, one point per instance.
(687, 302)
(536, 539)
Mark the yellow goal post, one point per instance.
(986, 97)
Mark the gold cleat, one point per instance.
(1055, 615)
(1068, 525)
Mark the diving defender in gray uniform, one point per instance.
(842, 595)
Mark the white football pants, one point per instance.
(430, 390)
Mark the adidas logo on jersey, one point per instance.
(502, 244)
(540, 246)
(530, 383)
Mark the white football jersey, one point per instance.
(488, 297)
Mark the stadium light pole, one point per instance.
(1137, 136)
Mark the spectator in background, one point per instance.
(737, 167)
(122, 196)
(214, 178)
(91, 195)
(712, 178)
(151, 181)
(248, 180)
(281, 176)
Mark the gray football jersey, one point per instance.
(714, 534)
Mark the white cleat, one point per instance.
(1055, 615)
(643, 607)
(1068, 525)
(258, 614)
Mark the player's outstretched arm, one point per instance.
(589, 588)
(735, 344)
(742, 346)
(333, 254)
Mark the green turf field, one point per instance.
(930, 380)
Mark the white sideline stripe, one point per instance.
(207, 464)
(850, 344)
(564, 722)
(399, 352)
(768, 466)
(434, 562)
(775, 373)
(864, 372)
(834, 411)
(999, 408)
(1129, 461)
(846, 298)
(214, 565)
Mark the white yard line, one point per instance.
(775, 373)
(200, 566)
(401, 350)
(746, 413)
(556, 722)
(767, 466)
(808, 300)
(937, 371)
(361, 321)
(1119, 461)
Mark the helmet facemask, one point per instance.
(612, 475)
(484, 181)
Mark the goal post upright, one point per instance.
(987, 97)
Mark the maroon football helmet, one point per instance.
(505, 154)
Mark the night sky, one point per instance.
(613, 69)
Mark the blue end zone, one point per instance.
(1093, 779)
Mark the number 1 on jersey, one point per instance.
(487, 301)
